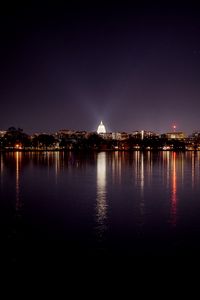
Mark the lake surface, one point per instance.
(106, 203)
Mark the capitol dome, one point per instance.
(101, 128)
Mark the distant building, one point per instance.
(101, 128)
(120, 136)
(65, 132)
(116, 136)
(175, 135)
(2, 133)
(71, 135)
(143, 134)
(196, 134)
(106, 136)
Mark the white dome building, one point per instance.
(101, 128)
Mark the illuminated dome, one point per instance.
(101, 128)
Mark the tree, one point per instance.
(43, 140)
(15, 137)
(94, 141)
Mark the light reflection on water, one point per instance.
(174, 191)
(18, 169)
(116, 167)
(101, 207)
(140, 182)
(123, 191)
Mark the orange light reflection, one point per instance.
(174, 192)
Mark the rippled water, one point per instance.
(106, 203)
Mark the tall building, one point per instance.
(101, 128)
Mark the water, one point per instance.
(100, 204)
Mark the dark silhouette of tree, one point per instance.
(15, 137)
(11, 129)
(43, 141)
(94, 141)
(67, 143)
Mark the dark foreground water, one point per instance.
(99, 204)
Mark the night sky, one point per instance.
(70, 66)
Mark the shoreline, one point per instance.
(96, 150)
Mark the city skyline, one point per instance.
(102, 129)
(70, 66)
(171, 129)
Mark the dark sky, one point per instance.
(71, 66)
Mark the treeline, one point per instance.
(16, 139)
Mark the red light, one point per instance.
(174, 127)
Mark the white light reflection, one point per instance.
(139, 157)
(101, 207)
(116, 167)
(57, 165)
(149, 167)
(142, 173)
(139, 175)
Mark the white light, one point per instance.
(101, 128)
(142, 134)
